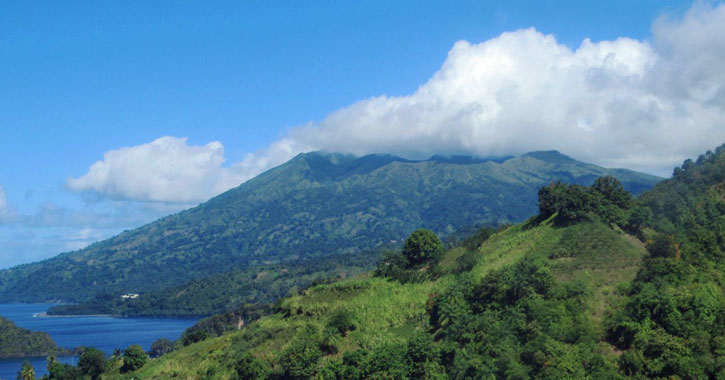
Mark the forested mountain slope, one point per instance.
(314, 205)
(530, 301)
(18, 342)
(597, 286)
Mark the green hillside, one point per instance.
(18, 342)
(389, 320)
(314, 206)
(597, 286)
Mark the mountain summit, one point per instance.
(314, 205)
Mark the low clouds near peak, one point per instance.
(644, 105)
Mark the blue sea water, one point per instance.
(104, 333)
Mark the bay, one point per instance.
(102, 332)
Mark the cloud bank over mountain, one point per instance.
(644, 105)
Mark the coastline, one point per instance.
(46, 315)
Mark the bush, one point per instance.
(134, 358)
(299, 360)
(249, 367)
(342, 321)
(662, 246)
(161, 346)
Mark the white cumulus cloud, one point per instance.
(164, 170)
(644, 105)
(640, 104)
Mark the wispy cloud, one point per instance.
(7, 213)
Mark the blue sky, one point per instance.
(233, 88)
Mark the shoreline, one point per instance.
(46, 315)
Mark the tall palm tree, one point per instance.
(27, 372)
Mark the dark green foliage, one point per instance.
(392, 264)
(612, 190)
(421, 247)
(219, 324)
(475, 240)
(420, 354)
(637, 217)
(249, 367)
(92, 363)
(255, 285)
(134, 358)
(516, 323)
(673, 322)
(59, 371)
(606, 198)
(315, 205)
(299, 360)
(160, 347)
(27, 372)
(662, 246)
(419, 359)
(342, 321)
(19, 342)
(191, 337)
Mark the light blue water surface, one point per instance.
(104, 333)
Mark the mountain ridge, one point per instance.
(596, 286)
(313, 205)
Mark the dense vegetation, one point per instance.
(673, 320)
(315, 205)
(226, 291)
(18, 342)
(528, 301)
(598, 286)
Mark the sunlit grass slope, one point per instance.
(385, 311)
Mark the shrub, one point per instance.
(342, 321)
(250, 367)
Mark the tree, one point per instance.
(611, 189)
(92, 363)
(421, 246)
(161, 346)
(134, 358)
(251, 368)
(59, 371)
(27, 372)
(299, 360)
(662, 246)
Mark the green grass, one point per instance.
(386, 311)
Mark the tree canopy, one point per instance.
(421, 246)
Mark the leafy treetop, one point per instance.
(421, 246)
